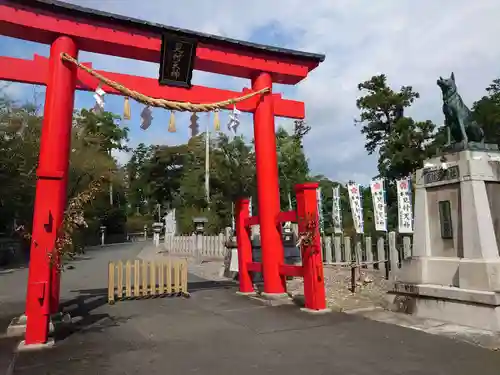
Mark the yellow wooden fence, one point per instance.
(141, 279)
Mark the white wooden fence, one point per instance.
(337, 250)
(211, 246)
(366, 251)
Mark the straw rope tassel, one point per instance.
(162, 103)
(216, 121)
(126, 109)
(171, 123)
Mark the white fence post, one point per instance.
(347, 249)
(393, 252)
(369, 252)
(220, 246)
(381, 254)
(328, 249)
(337, 244)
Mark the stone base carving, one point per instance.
(474, 274)
(454, 274)
(479, 309)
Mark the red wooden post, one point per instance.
(244, 245)
(43, 281)
(268, 188)
(307, 212)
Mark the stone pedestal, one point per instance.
(454, 274)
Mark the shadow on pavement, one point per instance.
(210, 285)
(83, 317)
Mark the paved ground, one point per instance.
(90, 272)
(88, 276)
(218, 332)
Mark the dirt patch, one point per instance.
(370, 289)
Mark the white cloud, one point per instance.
(413, 42)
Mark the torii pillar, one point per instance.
(50, 201)
(268, 195)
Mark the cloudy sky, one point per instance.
(413, 42)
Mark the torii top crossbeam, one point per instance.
(110, 34)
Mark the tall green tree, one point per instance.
(102, 129)
(293, 167)
(138, 170)
(19, 148)
(20, 129)
(487, 112)
(174, 176)
(402, 143)
(233, 168)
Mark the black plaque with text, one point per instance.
(445, 219)
(177, 60)
(438, 175)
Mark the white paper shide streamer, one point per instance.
(319, 199)
(336, 212)
(356, 207)
(405, 212)
(234, 120)
(146, 118)
(99, 100)
(379, 204)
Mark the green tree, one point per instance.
(192, 181)
(487, 112)
(406, 147)
(174, 176)
(102, 129)
(293, 167)
(19, 148)
(20, 127)
(402, 143)
(138, 172)
(232, 176)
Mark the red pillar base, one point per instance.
(244, 246)
(248, 294)
(316, 312)
(308, 221)
(23, 347)
(17, 326)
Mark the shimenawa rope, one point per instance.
(162, 103)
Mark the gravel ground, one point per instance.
(370, 289)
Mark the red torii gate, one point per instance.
(69, 29)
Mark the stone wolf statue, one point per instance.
(458, 118)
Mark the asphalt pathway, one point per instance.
(216, 332)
